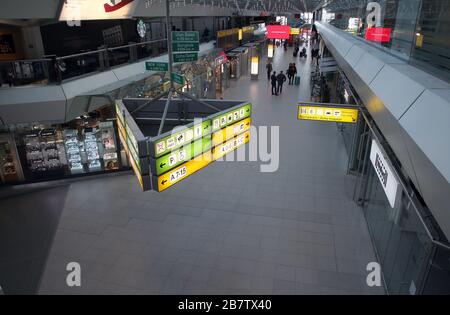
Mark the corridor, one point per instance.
(228, 229)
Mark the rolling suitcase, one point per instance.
(297, 80)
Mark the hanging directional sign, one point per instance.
(177, 139)
(181, 47)
(185, 37)
(231, 131)
(328, 112)
(181, 155)
(231, 145)
(164, 160)
(177, 78)
(156, 66)
(190, 167)
(224, 120)
(185, 57)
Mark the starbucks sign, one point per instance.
(141, 28)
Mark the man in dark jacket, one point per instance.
(281, 78)
(269, 69)
(273, 80)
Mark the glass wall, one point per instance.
(401, 241)
(415, 30)
(402, 228)
(432, 37)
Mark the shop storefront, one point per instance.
(239, 59)
(10, 168)
(221, 73)
(200, 76)
(235, 65)
(37, 152)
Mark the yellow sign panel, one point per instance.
(231, 145)
(332, 114)
(295, 31)
(221, 33)
(231, 131)
(184, 170)
(130, 158)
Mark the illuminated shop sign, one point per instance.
(378, 34)
(278, 31)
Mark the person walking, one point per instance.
(269, 69)
(294, 72)
(281, 78)
(274, 80)
(289, 73)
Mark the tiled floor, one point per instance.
(228, 229)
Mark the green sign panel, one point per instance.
(181, 47)
(230, 117)
(187, 57)
(185, 37)
(178, 78)
(183, 154)
(181, 138)
(157, 66)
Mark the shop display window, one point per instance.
(10, 171)
(73, 147)
(45, 151)
(85, 145)
(110, 156)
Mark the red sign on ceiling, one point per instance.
(278, 31)
(379, 34)
(113, 6)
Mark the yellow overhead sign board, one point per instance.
(224, 134)
(230, 145)
(185, 170)
(331, 114)
(136, 169)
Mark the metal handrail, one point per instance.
(137, 44)
(26, 60)
(80, 54)
(109, 49)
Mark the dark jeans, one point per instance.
(280, 88)
(291, 79)
(274, 89)
(268, 75)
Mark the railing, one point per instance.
(54, 70)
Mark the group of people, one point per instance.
(277, 80)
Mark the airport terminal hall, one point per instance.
(225, 155)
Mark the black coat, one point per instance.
(281, 78)
(273, 79)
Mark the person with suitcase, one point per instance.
(290, 74)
